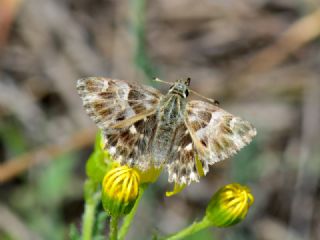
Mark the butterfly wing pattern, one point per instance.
(181, 164)
(114, 103)
(125, 113)
(216, 134)
(209, 134)
(128, 115)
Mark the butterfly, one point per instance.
(143, 128)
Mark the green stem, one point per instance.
(128, 219)
(113, 235)
(193, 228)
(142, 61)
(89, 217)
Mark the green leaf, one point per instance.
(99, 161)
(55, 181)
(74, 233)
(13, 138)
(96, 166)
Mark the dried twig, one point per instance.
(20, 164)
(298, 35)
(8, 10)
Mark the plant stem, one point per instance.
(113, 235)
(128, 219)
(89, 217)
(193, 228)
(141, 58)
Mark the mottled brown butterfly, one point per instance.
(144, 128)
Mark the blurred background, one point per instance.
(259, 58)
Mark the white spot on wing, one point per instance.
(188, 147)
(193, 118)
(130, 161)
(238, 141)
(174, 177)
(105, 86)
(194, 177)
(183, 180)
(252, 132)
(112, 150)
(233, 121)
(133, 130)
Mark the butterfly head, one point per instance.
(181, 87)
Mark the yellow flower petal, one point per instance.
(177, 188)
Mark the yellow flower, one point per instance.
(229, 205)
(120, 189)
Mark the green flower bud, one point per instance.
(229, 205)
(120, 189)
(150, 175)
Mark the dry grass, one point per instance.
(260, 59)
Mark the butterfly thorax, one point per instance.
(170, 117)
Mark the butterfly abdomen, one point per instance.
(169, 118)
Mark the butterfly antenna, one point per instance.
(159, 80)
(215, 102)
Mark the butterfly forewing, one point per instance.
(125, 113)
(110, 102)
(216, 133)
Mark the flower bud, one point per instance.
(120, 189)
(229, 205)
(150, 175)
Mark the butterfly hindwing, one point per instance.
(130, 145)
(181, 161)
